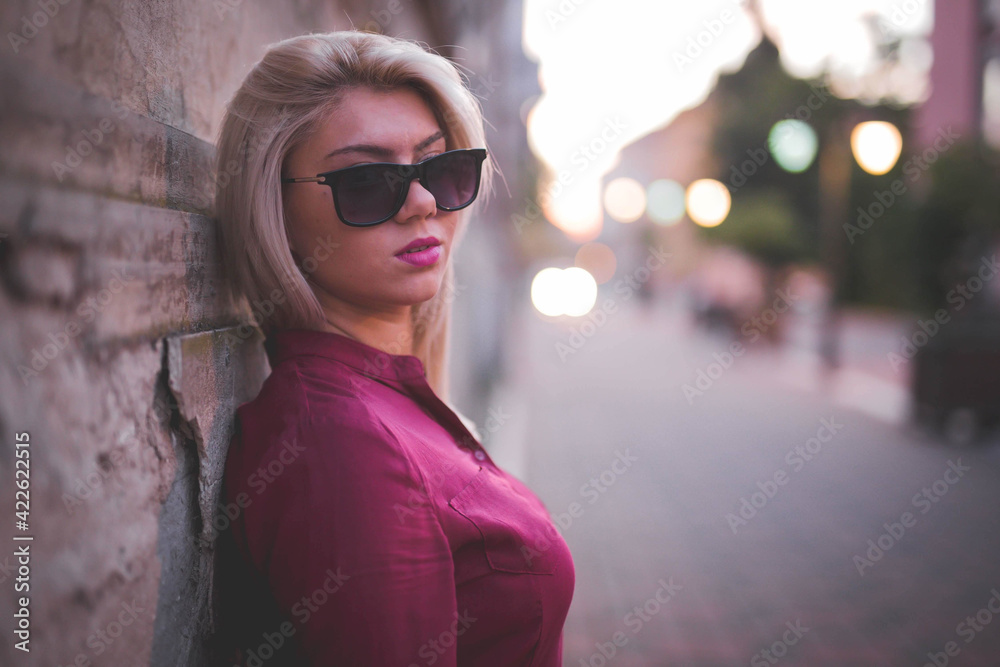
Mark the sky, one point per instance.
(612, 71)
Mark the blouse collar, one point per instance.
(360, 356)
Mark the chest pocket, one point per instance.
(518, 537)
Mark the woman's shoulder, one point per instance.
(345, 448)
(293, 386)
(318, 408)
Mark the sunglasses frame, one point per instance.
(415, 171)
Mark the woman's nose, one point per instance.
(419, 203)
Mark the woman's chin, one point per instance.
(419, 292)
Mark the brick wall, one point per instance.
(118, 357)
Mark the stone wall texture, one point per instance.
(117, 355)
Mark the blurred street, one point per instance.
(733, 528)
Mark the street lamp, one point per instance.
(876, 147)
(793, 144)
(625, 199)
(708, 202)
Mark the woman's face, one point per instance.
(359, 267)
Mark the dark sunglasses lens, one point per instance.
(367, 194)
(451, 178)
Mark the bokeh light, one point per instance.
(793, 144)
(665, 201)
(876, 145)
(625, 199)
(580, 291)
(598, 259)
(596, 101)
(575, 210)
(546, 291)
(571, 291)
(708, 202)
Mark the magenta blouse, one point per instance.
(374, 527)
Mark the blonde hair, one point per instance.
(297, 84)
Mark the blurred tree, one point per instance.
(762, 223)
(959, 220)
(751, 101)
(880, 262)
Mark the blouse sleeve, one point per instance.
(353, 550)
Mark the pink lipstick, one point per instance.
(421, 252)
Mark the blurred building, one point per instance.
(679, 152)
(965, 75)
(489, 265)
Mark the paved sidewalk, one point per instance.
(735, 530)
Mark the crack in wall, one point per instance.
(185, 581)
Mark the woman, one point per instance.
(371, 527)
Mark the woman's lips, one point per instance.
(417, 243)
(425, 257)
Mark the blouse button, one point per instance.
(479, 455)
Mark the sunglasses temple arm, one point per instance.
(313, 179)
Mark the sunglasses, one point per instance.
(369, 194)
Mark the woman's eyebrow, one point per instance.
(382, 151)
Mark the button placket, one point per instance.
(422, 389)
